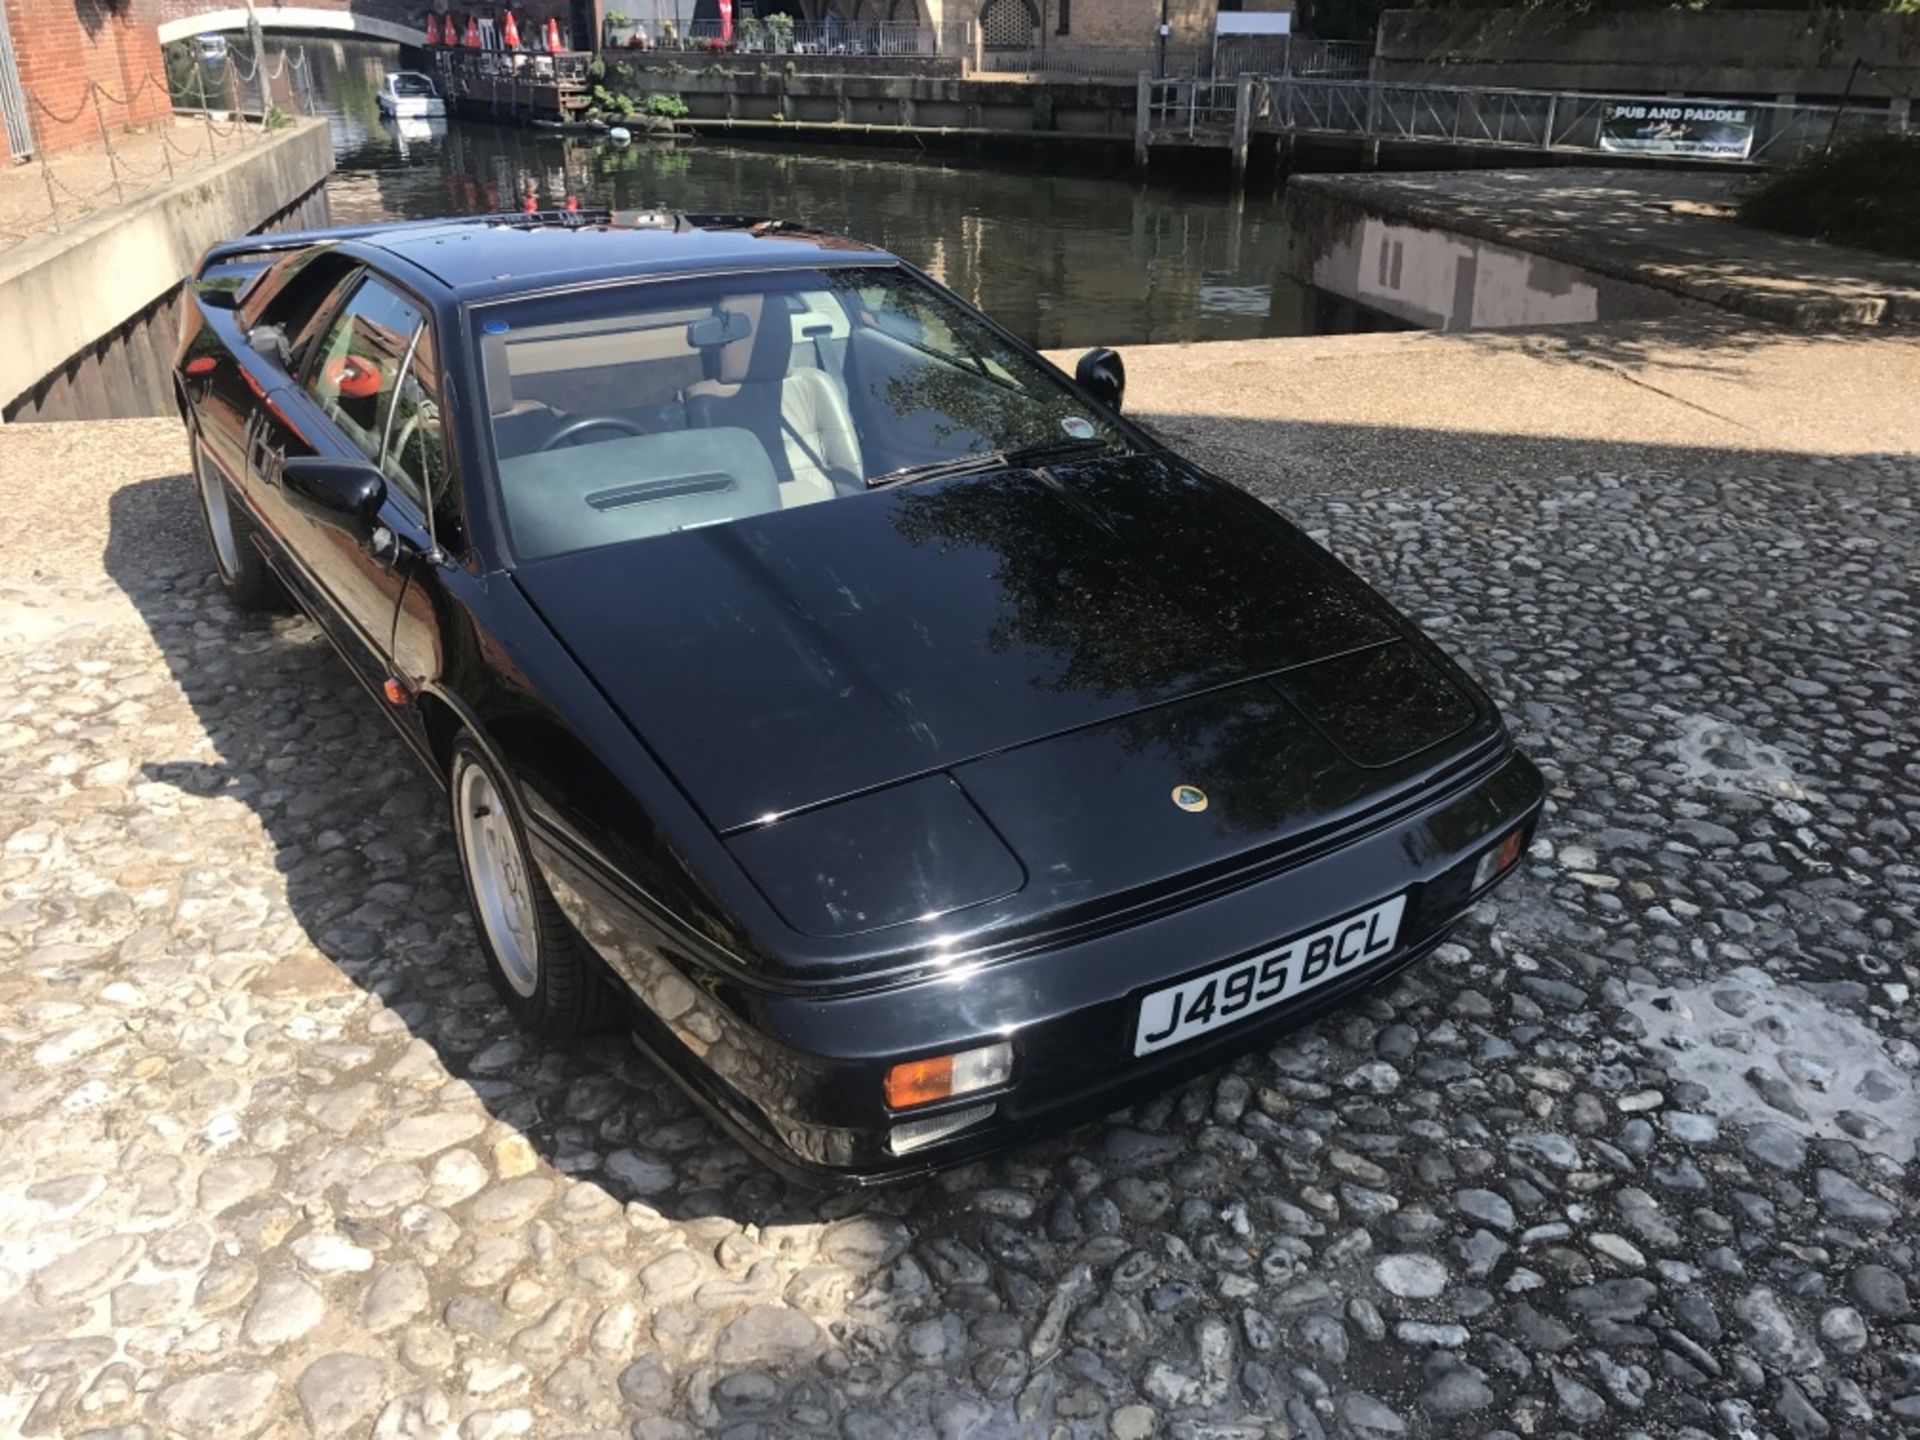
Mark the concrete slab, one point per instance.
(1300, 416)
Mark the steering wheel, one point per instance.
(591, 422)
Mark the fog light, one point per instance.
(917, 1134)
(1496, 860)
(941, 1077)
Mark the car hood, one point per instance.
(807, 655)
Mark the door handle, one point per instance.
(264, 456)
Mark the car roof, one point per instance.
(503, 256)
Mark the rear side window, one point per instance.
(295, 293)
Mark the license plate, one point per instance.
(1238, 991)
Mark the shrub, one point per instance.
(1864, 192)
(667, 107)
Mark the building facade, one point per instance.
(83, 64)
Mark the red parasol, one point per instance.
(510, 33)
(473, 33)
(433, 28)
(553, 35)
(726, 21)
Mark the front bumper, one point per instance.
(797, 1077)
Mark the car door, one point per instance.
(344, 408)
(420, 459)
(296, 308)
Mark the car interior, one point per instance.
(613, 428)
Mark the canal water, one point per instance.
(1063, 260)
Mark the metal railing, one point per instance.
(13, 97)
(1525, 119)
(544, 67)
(1190, 105)
(1291, 55)
(1227, 57)
(876, 38)
(1076, 62)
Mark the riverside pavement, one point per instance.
(1634, 1154)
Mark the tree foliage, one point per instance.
(1865, 192)
(1359, 19)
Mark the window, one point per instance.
(1066, 16)
(676, 405)
(292, 295)
(416, 453)
(357, 370)
(1007, 25)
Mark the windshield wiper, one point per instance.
(989, 460)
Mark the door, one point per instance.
(349, 404)
(289, 306)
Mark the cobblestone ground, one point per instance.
(1635, 1155)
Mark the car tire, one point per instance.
(542, 971)
(242, 569)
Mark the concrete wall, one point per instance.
(1762, 53)
(66, 49)
(86, 309)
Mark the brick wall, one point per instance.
(66, 47)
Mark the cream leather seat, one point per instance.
(798, 412)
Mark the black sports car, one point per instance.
(927, 755)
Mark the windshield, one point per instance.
(411, 85)
(641, 412)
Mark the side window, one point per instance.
(297, 292)
(356, 373)
(416, 458)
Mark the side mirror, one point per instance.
(1104, 373)
(271, 341)
(344, 495)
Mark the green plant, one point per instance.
(596, 69)
(780, 27)
(665, 106)
(607, 103)
(753, 30)
(618, 17)
(1865, 191)
(275, 119)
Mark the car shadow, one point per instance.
(362, 847)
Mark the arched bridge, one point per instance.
(398, 20)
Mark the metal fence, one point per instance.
(1190, 104)
(1228, 56)
(13, 98)
(1523, 119)
(1291, 55)
(880, 38)
(1077, 62)
(212, 115)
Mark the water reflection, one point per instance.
(1061, 259)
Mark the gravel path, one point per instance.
(1635, 1155)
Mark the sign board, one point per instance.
(1702, 129)
(1253, 22)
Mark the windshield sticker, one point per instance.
(1078, 427)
